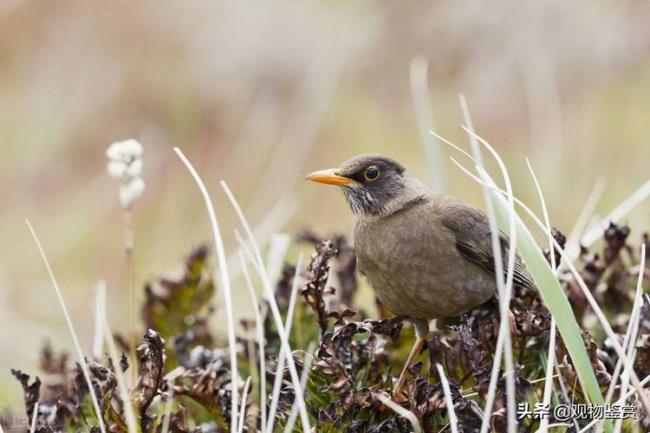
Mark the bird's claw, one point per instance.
(398, 396)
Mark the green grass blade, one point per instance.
(555, 299)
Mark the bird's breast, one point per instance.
(412, 263)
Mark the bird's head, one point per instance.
(372, 184)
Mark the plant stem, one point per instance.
(129, 241)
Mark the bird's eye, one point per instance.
(371, 173)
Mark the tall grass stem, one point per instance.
(277, 381)
(32, 428)
(224, 280)
(120, 377)
(259, 329)
(73, 334)
(504, 287)
(453, 420)
(404, 413)
(256, 259)
(309, 357)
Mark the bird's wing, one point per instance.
(471, 229)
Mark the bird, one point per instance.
(427, 255)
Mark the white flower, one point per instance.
(130, 192)
(116, 169)
(125, 165)
(126, 150)
(137, 186)
(132, 148)
(135, 168)
(114, 151)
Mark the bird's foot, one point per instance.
(398, 396)
(401, 381)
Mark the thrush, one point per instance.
(426, 255)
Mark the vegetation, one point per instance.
(184, 380)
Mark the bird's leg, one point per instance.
(415, 351)
(421, 331)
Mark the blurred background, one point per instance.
(261, 93)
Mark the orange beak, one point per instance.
(330, 177)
